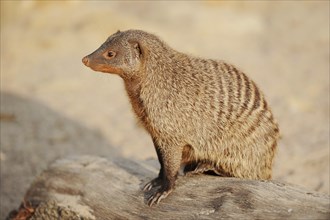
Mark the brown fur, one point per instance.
(202, 113)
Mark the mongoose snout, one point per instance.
(203, 114)
(85, 61)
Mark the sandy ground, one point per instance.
(52, 106)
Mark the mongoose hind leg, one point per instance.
(189, 167)
(202, 167)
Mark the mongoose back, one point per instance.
(201, 113)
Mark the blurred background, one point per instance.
(53, 106)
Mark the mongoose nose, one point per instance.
(85, 60)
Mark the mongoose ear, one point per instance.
(137, 46)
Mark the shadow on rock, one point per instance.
(32, 136)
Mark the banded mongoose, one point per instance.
(201, 113)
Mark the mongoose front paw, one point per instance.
(153, 183)
(160, 194)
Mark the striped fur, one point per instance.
(202, 113)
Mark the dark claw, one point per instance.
(147, 187)
(153, 183)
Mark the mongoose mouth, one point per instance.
(101, 67)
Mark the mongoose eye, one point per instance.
(111, 54)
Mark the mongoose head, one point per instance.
(122, 53)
